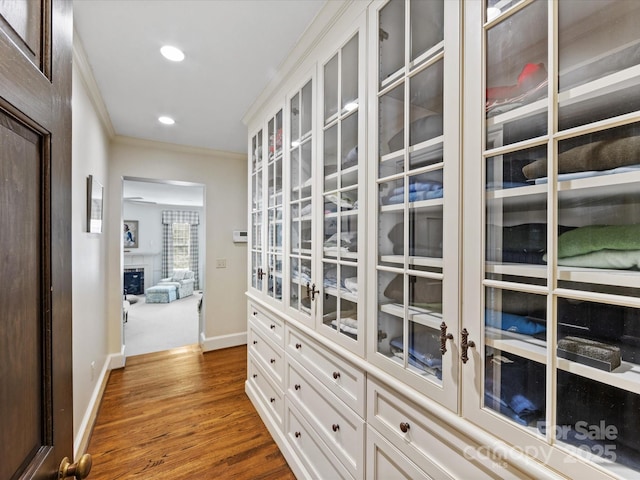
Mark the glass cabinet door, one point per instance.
(302, 290)
(561, 281)
(416, 177)
(257, 213)
(275, 205)
(341, 195)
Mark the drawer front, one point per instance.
(317, 458)
(269, 355)
(384, 461)
(270, 394)
(271, 325)
(339, 426)
(343, 379)
(427, 441)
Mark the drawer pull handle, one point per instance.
(255, 314)
(273, 327)
(404, 426)
(272, 399)
(255, 342)
(298, 346)
(273, 360)
(297, 434)
(336, 375)
(335, 427)
(296, 386)
(255, 375)
(465, 344)
(444, 336)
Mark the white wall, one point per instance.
(90, 153)
(224, 175)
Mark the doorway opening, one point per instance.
(163, 260)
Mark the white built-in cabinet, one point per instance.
(444, 262)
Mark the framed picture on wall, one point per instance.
(95, 192)
(130, 232)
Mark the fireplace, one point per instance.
(134, 281)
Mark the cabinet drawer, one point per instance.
(427, 441)
(384, 462)
(271, 325)
(343, 379)
(339, 426)
(270, 356)
(270, 394)
(317, 458)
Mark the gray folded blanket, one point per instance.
(575, 347)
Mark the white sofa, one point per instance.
(183, 280)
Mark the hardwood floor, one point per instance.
(182, 414)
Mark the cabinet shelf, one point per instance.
(345, 294)
(435, 204)
(343, 255)
(615, 83)
(626, 376)
(343, 213)
(417, 261)
(421, 316)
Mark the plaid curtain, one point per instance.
(169, 217)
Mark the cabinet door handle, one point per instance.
(273, 360)
(311, 291)
(404, 427)
(255, 375)
(336, 375)
(465, 343)
(296, 386)
(272, 399)
(260, 274)
(298, 346)
(444, 336)
(272, 327)
(255, 342)
(335, 427)
(297, 434)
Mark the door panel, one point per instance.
(36, 425)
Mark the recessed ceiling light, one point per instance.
(172, 53)
(166, 120)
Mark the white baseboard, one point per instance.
(222, 341)
(117, 360)
(81, 442)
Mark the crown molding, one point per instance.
(174, 147)
(81, 61)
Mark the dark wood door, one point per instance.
(36, 408)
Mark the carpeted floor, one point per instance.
(156, 327)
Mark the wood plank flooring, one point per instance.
(182, 414)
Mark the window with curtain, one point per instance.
(181, 245)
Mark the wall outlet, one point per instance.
(221, 263)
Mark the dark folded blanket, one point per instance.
(599, 155)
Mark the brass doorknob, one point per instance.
(78, 470)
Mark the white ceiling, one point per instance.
(233, 49)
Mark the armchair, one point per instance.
(183, 280)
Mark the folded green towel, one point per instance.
(598, 237)
(614, 259)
